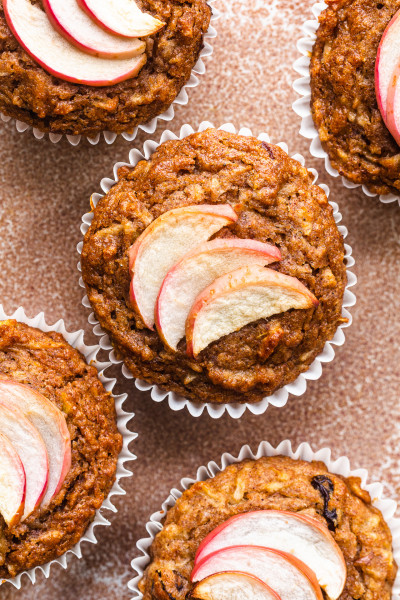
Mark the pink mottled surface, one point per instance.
(354, 407)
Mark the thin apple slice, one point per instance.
(50, 423)
(30, 447)
(78, 28)
(393, 105)
(232, 584)
(165, 241)
(288, 576)
(241, 297)
(121, 17)
(47, 47)
(388, 57)
(196, 271)
(294, 533)
(12, 483)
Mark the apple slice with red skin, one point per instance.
(196, 271)
(393, 105)
(239, 298)
(232, 584)
(30, 447)
(78, 28)
(12, 483)
(288, 576)
(121, 17)
(51, 425)
(50, 50)
(163, 243)
(387, 59)
(294, 533)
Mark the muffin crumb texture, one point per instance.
(277, 203)
(343, 98)
(47, 363)
(273, 483)
(30, 94)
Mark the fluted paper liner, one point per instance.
(76, 340)
(302, 105)
(280, 397)
(182, 99)
(340, 466)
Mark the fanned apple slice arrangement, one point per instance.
(80, 42)
(387, 77)
(188, 285)
(35, 451)
(269, 555)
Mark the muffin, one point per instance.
(268, 200)
(39, 89)
(249, 502)
(58, 421)
(344, 93)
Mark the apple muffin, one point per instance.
(67, 69)
(59, 446)
(216, 268)
(304, 532)
(353, 49)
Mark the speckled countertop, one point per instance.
(354, 408)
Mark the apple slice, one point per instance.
(196, 271)
(12, 483)
(294, 533)
(393, 105)
(388, 57)
(165, 241)
(50, 423)
(232, 584)
(288, 576)
(241, 297)
(47, 47)
(31, 449)
(121, 17)
(78, 28)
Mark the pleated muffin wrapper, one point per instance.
(340, 466)
(182, 99)
(235, 410)
(302, 106)
(76, 340)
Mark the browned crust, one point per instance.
(277, 483)
(343, 100)
(30, 94)
(52, 367)
(278, 203)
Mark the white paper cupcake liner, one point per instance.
(182, 99)
(302, 105)
(280, 397)
(340, 466)
(76, 340)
